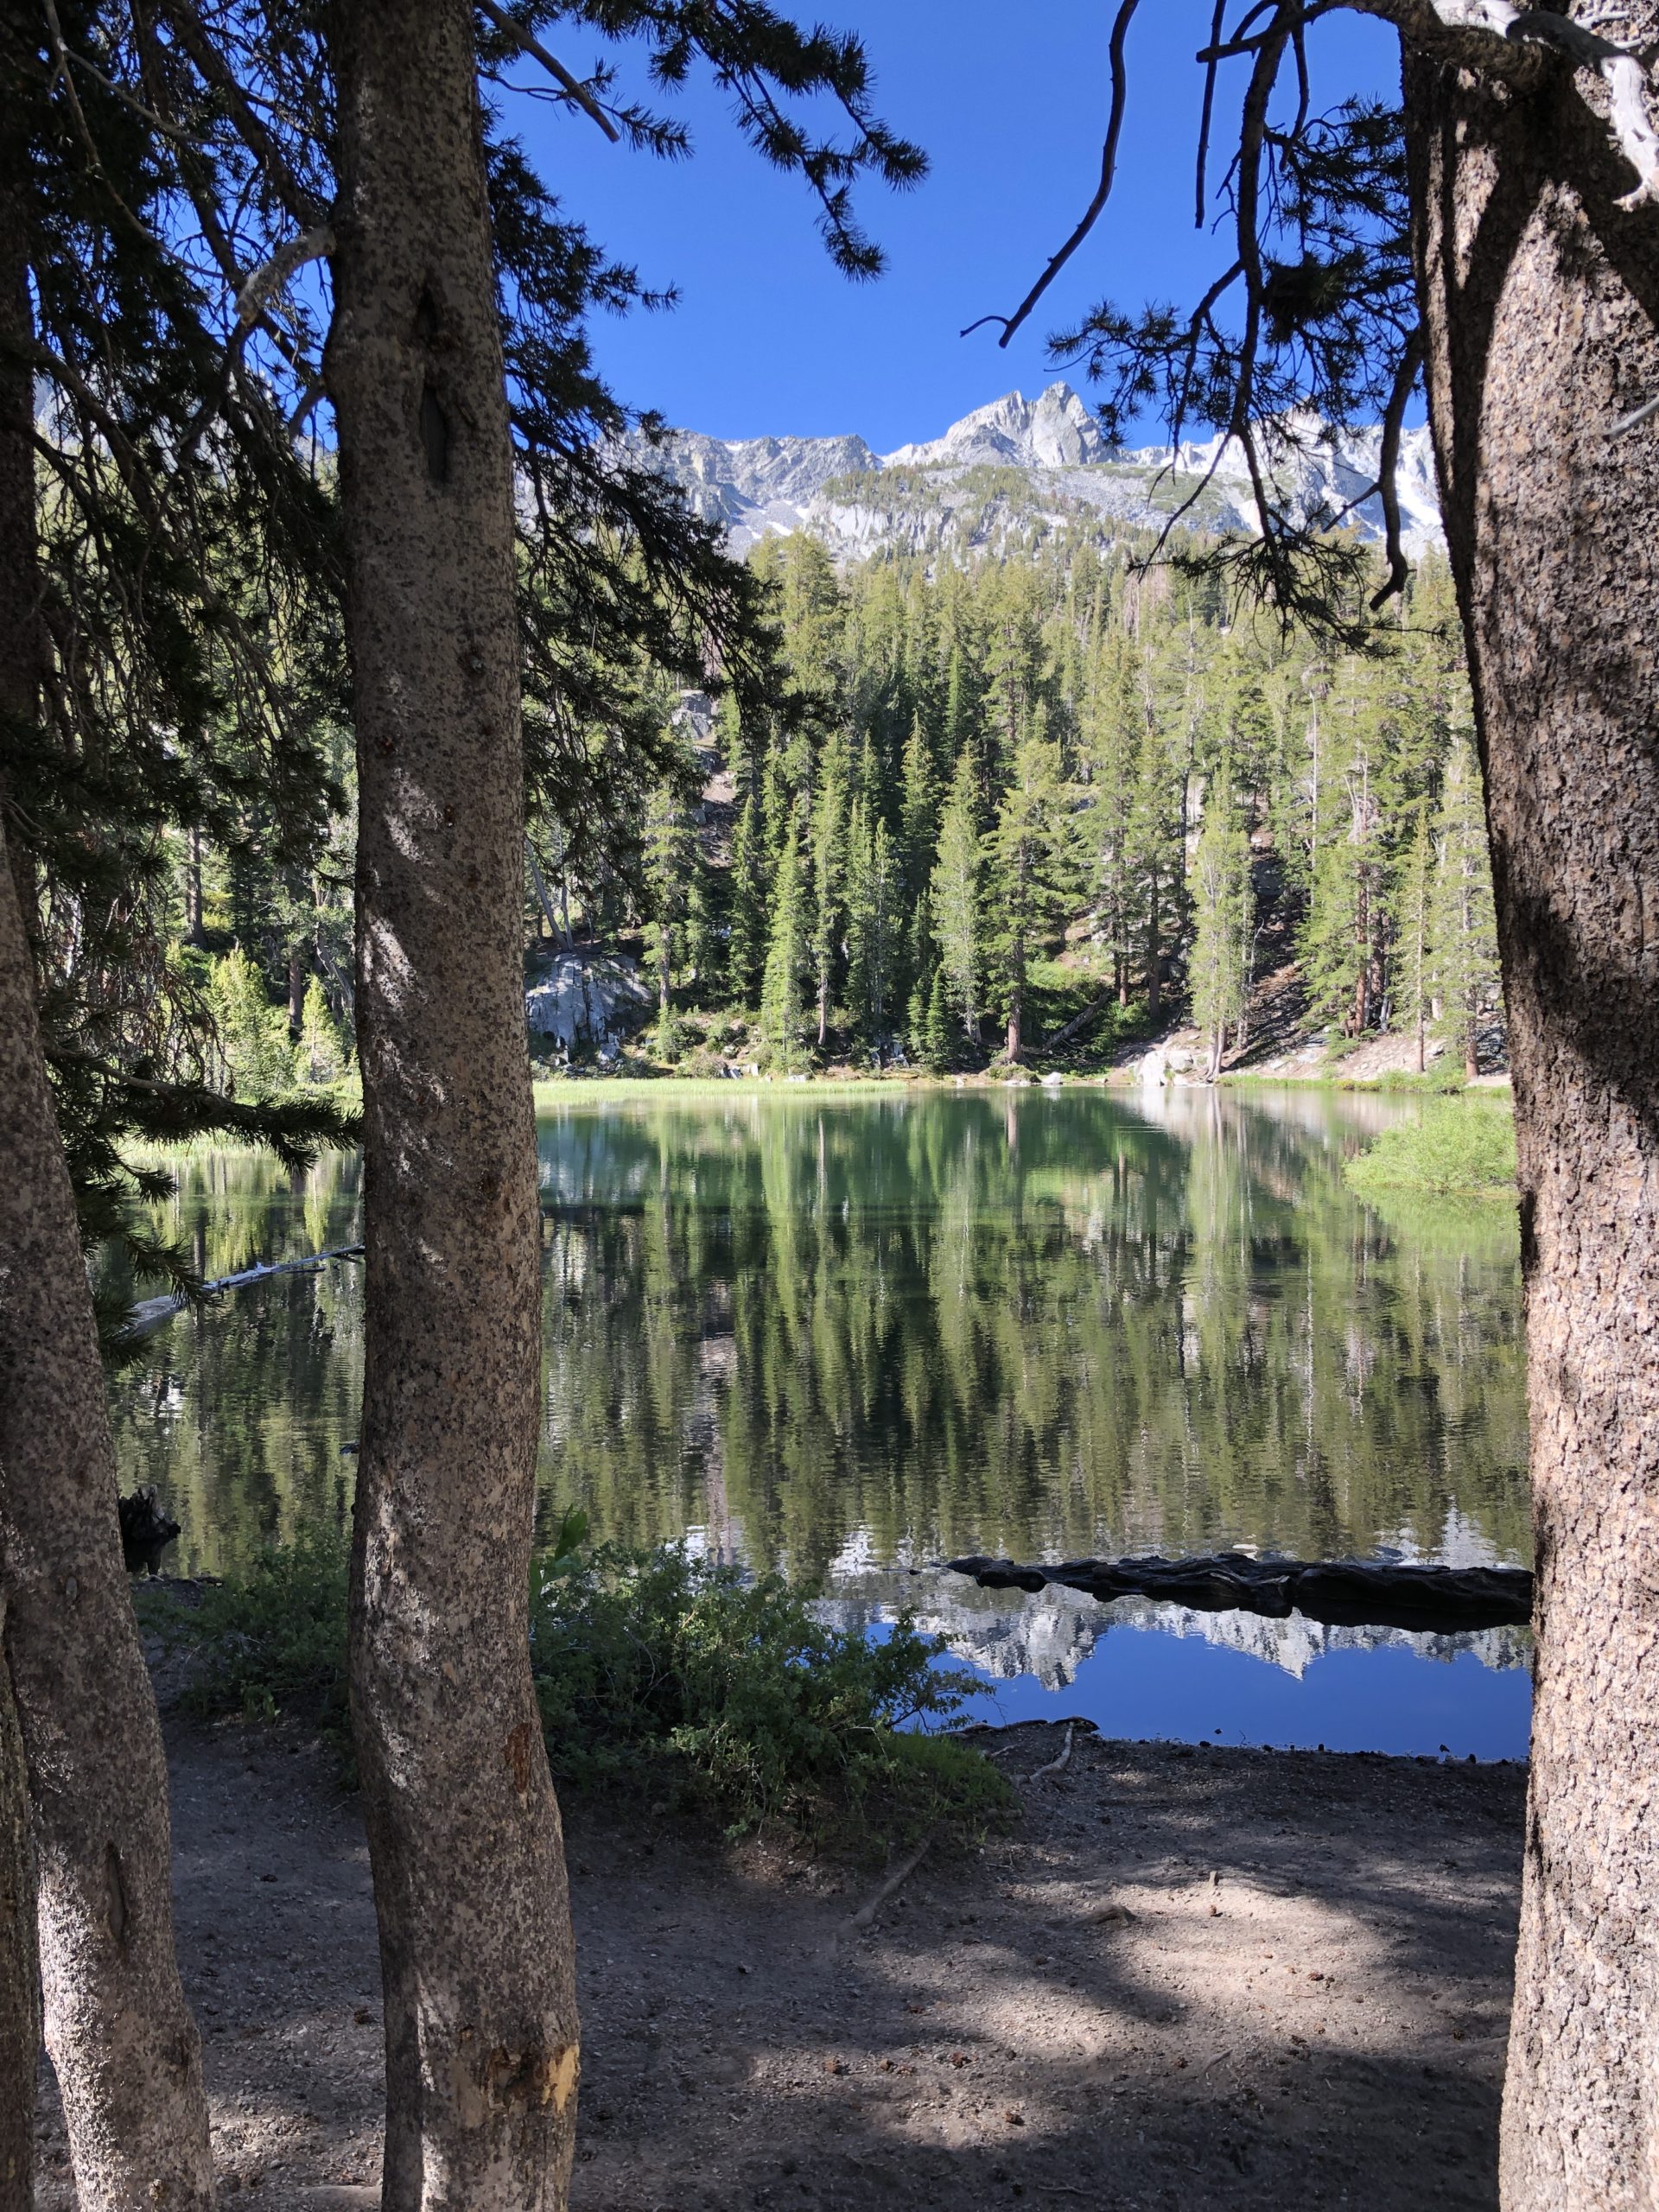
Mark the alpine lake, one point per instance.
(851, 1335)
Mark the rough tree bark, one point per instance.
(482, 2042)
(122, 2043)
(20, 2033)
(1540, 296)
(20, 2019)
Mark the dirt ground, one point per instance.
(1187, 1980)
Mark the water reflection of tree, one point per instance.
(237, 1414)
(1031, 1323)
(967, 1320)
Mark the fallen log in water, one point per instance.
(1348, 1594)
(149, 1314)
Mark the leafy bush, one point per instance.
(644, 1658)
(272, 1641)
(655, 1671)
(1458, 1148)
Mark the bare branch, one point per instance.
(310, 245)
(1211, 66)
(1388, 468)
(556, 69)
(1104, 192)
(300, 203)
(1634, 420)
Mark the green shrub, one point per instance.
(272, 1641)
(643, 1659)
(655, 1672)
(1455, 1149)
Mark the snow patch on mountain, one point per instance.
(1049, 465)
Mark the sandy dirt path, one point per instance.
(1187, 1980)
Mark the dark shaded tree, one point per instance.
(1500, 235)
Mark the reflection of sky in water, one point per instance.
(1143, 1683)
(833, 1337)
(1140, 1670)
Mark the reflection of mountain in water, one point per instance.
(1053, 1633)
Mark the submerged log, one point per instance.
(1347, 1593)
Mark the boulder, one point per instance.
(587, 1002)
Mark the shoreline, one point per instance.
(1219, 1981)
(552, 1090)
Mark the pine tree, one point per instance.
(253, 1035)
(747, 943)
(940, 1032)
(1463, 965)
(955, 898)
(1347, 913)
(783, 989)
(321, 1053)
(919, 809)
(1030, 857)
(1218, 970)
(670, 863)
(1113, 732)
(1414, 925)
(829, 879)
(874, 928)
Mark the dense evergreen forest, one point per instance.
(1059, 768)
(1056, 797)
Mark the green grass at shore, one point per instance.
(607, 1089)
(1455, 1148)
(575, 1091)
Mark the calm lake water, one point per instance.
(852, 1337)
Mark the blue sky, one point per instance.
(1009, 101)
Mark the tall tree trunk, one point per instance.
(19, 577)
(464, 1836)
(126, 2049)
(297, 986)
(20, 2019)
(1541, 296)
(20, 2031)
(123, 2045)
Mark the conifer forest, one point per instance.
(880, 1219)
(986, 803)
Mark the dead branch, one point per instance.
(1387, 469)
(856, 1924)
(1103, 190)
(1058, 1765)
(270, 276)
(532, 46)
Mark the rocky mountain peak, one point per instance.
(933, 497)
(1055, 430)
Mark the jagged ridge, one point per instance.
(1017, 462)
